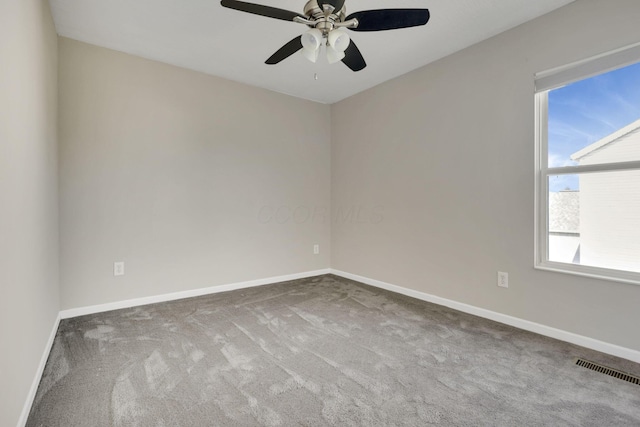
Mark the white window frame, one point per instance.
(545, 82)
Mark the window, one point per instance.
(588, 166)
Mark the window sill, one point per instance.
(591, 272)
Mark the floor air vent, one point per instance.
(608, 371)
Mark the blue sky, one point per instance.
(586, 111)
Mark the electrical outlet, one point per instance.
(503, 279)
(316, 249)
(118, 268)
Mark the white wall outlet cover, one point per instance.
(118, 268)
(316, 249)
(503, 279)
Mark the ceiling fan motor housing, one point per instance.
(313, 10)
(323, 22)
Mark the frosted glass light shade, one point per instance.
(334, 55)
(339, 40)
(311, 39)
(311, 55)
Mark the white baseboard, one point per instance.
(36, 380)
(593, 344)
(81, 311)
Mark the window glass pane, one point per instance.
(595, 120)
(596, 222)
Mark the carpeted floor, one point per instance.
(324, 351)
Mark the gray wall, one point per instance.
(447, 154)
(191, 180)
(28, 197)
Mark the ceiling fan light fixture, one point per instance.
(334, 55)
(339, 40)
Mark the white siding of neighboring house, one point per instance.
(623, 149)
(610, 207)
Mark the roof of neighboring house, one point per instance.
(606, 141)
(564, 212)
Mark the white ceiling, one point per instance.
(202, 35)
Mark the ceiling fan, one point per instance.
(327, 18)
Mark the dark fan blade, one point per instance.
(389, 19)
(353, 58)
(337, 4)
(259, 9)
(286, 51)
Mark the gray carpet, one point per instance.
(319, 352)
